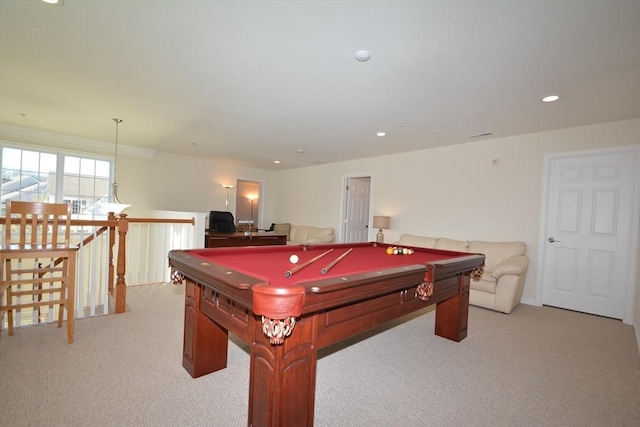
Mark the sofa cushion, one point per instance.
(418, 241)
(496, 252)
(304, 234)
(320, 235)
(452, 245)
(299, 233)
(284, 228)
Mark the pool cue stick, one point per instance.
(301, 266)
(335, 261)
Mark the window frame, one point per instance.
(61, 175)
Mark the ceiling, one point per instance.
(251, 82)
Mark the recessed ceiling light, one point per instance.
(363, 55)
(550, 98)
(381, 134)
(299, 151)
(276, 162)
(58, 2)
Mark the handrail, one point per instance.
(114, 222)
(116, 291)
(191, 221)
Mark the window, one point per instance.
(30, 175)
(25, 175)
(77, 206)
(85, 183)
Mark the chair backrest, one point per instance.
(38, 223)
(221, 222)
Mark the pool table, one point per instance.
(286, 312)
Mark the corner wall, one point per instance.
(453, 191)
(179, 183)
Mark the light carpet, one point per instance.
(538, 366)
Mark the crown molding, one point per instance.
(29, 136)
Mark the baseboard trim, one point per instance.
(529, 301)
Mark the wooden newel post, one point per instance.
(121, 286)
(112, 270)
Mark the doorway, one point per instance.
(590, 231)
(356, 209)
(248, 198)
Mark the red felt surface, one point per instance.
(271, 263)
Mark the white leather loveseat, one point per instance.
(304, 234)
(505, 268)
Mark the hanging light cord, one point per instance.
(115, 164)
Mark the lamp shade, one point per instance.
(382, 222)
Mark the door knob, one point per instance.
(552, 240)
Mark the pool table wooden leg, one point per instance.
(205, 342)
(282, 377)
(452, 314)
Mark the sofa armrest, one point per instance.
(515, 265)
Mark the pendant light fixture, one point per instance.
(114, 205)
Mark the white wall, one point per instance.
(150, 180)
(453, 191)
(179, 183)
(636, 319)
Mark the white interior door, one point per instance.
(588, 233)
(356, 223)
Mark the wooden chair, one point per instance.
(38, 262)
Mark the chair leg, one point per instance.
(10, 321)
(9, 311)
(62, 306)
(69, 326)
(38, 286)
(61, 314)
(7, 292)
(63, 287)
(71, 295)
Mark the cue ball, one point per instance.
(293, 259)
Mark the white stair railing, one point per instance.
(148, 242)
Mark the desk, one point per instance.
(216, 240)
(286, 320)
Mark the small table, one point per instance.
(217, 240)
(286, 320)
